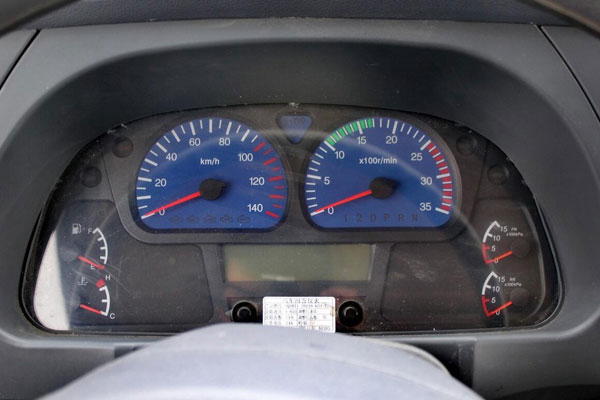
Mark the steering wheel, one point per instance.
(248, 361)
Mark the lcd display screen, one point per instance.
(289, 263)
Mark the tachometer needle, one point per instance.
(93, 264)
(343, 201)
(173, 203)
(380, 188)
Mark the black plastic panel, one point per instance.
(580, 50)
(121, 11)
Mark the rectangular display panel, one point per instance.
(289, 263)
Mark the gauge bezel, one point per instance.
(422, 126)
(213, 113)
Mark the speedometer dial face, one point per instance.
(379, 173)
(211, 173)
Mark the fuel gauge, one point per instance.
(87, 252)
(76, 276)
(93, 292)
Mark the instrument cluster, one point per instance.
(406, 222)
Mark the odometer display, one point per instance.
(379, 173)
(211, 173)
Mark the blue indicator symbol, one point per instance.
(294, 126)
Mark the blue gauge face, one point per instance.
(379, 173)
(211, 173)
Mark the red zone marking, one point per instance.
(93, 264)
(100, 283)
(272, 179)
(446, 182)
(484, 250)
(490, 313)
(257, 148)
(271, 214)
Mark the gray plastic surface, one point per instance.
(581, 52)
(93, 12)
(259, 362)
(505, 81)
(11, 47)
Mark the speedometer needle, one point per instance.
(173, 203)
(210, 189)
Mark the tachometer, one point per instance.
(211, 173)
(379, 173)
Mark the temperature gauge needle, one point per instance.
(92, 309)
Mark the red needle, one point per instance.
(490, 313)
(87, 261)
(174, 203)
(495, 259)
(343, 201)
(502, 307)
(90, 309)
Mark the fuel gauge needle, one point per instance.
(93, 264)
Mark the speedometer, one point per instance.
(211, 173)
(379, 173)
